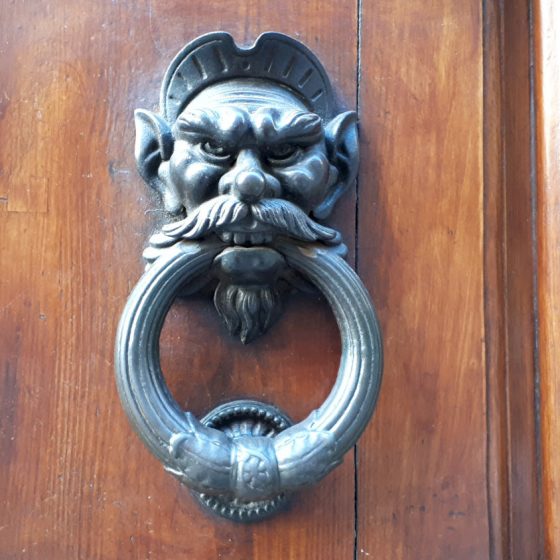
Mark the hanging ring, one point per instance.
(247, 469)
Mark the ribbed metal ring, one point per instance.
(248, 468)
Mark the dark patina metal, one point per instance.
(249, 152)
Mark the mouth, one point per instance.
(246, 238)
(247, 233)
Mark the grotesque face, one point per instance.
(247, 162)
(263, 143)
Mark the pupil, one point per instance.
(282, 151)
(214, 148)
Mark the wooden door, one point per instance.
(453, 226)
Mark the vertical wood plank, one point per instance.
(494, 281)
(518, 312)
(76, 482)
(547, 86)
(422, 463)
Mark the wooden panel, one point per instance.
(446, 231)
(547, 86)
(422, 464)
(76, 482)
(518, 261)
(494, 280)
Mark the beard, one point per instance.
(247, 311)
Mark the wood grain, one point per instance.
(458, 182)
(547, 86)
(432, 116)
(76, 482)
(495, 285)
(518, 260)
(422, 465)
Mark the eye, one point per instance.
(282, 153)
(216, 151)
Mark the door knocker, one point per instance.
(248, 152)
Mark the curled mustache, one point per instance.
(285, 217)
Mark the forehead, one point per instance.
(250, 95)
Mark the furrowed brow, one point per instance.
(228, 124)
(293, 127)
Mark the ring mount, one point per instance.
(236, 419)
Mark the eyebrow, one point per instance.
(270, 126)
(228, 126)
(298, 127)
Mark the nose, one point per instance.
(249, 185)
(247, 180)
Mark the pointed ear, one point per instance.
(154, 144)
(341, 136)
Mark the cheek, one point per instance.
(195, 180)
(306, 182)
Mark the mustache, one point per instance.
(223, 211)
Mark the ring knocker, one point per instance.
(249, 151)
